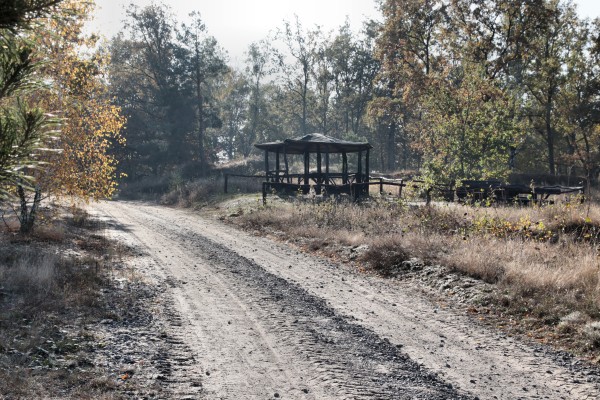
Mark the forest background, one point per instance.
(447, 90)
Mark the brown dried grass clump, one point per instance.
(387, 255)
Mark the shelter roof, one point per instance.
(314, 143)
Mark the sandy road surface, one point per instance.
(264, 321)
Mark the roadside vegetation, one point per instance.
(539, 264)
(58, 132)
(56, 285)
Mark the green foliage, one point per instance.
(475, 89)
(470, 126)
(16, 64)
(22, 134)
(23, 125)
(451, 89)
(42, 67)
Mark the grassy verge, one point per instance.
(52, 289)
(541, 262)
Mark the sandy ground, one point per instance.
(262, 320)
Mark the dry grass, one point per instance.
(191, 194)
(45, 300)
(147, 188)
(543, 261)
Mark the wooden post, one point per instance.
(287, 169)
(359, 168)
(306, 169)
(367, 172)
(344, 168)
(355, 189)
(226, 179)
(319, 173)
(327, 168)
(267, 164)
(277, 169)
(264, 193)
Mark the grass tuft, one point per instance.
(387, 256)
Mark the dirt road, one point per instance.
(264, 321)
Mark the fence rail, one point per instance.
(226, 177)
(474, 190)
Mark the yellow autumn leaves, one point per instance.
(83, 167)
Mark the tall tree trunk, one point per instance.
(254, 124)
(550, 136)
(305, 98)
(200, 127)
(391, 148)
(27, 217)
(405, 154)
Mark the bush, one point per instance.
(147, 187)
(193, 193)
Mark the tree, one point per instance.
(144, 83)
(24, 126)
(164, 79)
(353, 68)
(202, 61)
(257, 68)
(497, 35)
(545, 76)
(518, 51)
(83, 167)
(408, 49)
(322, 76)
(578, 102)
(16, 14)
(233, 104)
(302, 47)
(471, 127)
(75, 160)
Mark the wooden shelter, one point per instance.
(321, 177)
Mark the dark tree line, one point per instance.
(450, 89)
(479, 89)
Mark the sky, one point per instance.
(237, 23)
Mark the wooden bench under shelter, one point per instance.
(473, 191)
(280, 179)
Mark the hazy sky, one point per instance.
(237, 23)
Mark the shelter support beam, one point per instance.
(367, 172)
(359, 178)
(267, 174)
(345, 168)
(277, 168)
(306, 169)
(327, 168)
(287, 167)
(319, 173)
